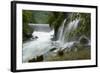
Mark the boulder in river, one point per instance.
(37, 59)
(32, 60)
(53, 49)
(60, 53)
(83, 40)
(34, 37)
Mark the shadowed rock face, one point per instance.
(37, 59)
(60, 53)
(40, 27)
(83, 40)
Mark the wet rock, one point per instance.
(40, 58)
(35, 37)
(83, 40)
(53, 49)
(60, 53)
(29, 35)
(32, 60)
(37, 59)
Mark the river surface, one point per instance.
(40, 45)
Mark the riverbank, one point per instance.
(80, 54)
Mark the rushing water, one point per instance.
(65, 30)
(43, 43)
(39, 45)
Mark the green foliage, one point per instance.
(59, 18)
(42, 17)
(84, 25)
(56, 21)
(27, 17)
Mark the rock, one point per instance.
(29, 35)
(39, 58)
(83, 40)
(60, 53)
(53, 49)
(34, 37)
(32, 60)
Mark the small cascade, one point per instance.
(64, 32)
(61, 30)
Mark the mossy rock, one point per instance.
(37, 59)
(60, 53)
(83, 40)
(32, 60)
(40, 58)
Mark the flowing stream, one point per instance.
(39, 45)
(42, 42)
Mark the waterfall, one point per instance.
(63, 35)
(65, 30)
(61, 30)
(43, 43)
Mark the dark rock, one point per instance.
(53, 49)
(53, 39)
(34, 37)
(60, 53)
(29, 35)
(39, 58)
(83, 40)
(32, 60)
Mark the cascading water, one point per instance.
(43, 43)
(39, 45)
(61, 30)
(70, 27)
(64, 32)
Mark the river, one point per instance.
(39, 45)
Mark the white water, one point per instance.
(43, 43)
(61, 30)
(37, 47)
(65, 30)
